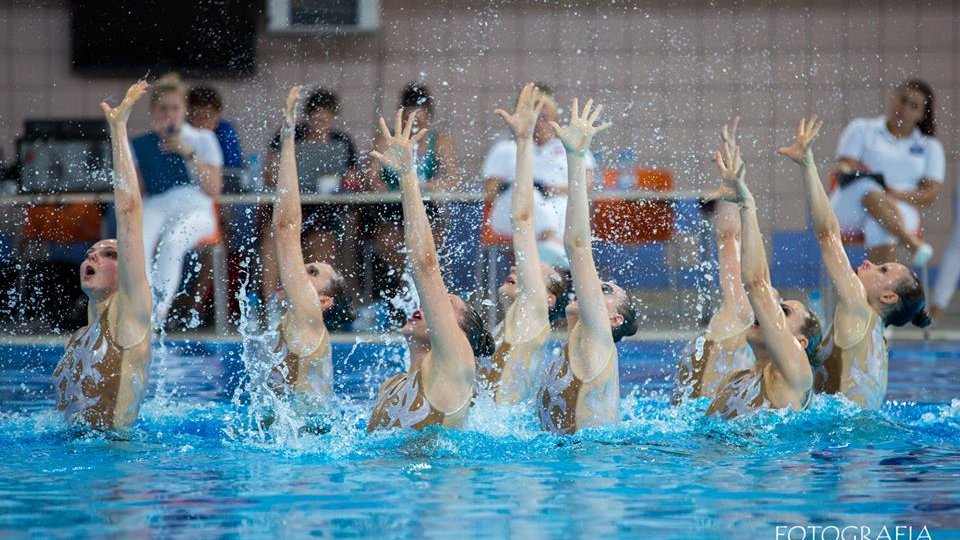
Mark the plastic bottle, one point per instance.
(815, 304)
(626, 170)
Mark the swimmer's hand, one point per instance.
(290, 112)
(577, 135)
(528, 109)
(732, 171)
(120, 114)
(398, 152)
(806, 133)
(728, 133)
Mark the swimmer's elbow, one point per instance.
(576, 242)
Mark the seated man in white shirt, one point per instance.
(549, 177)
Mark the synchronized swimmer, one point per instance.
(758, 351)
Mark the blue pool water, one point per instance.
(195, 466)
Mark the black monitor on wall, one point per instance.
(198, 38)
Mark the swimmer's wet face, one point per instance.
(321, 276)
(907, 107)
(613, 296)
(416, 328)
(880, 281)
(797, 316)
(99, 269)
(508, 291)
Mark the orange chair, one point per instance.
(63, 223)
(637, 222)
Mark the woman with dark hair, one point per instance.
(325, 158)
(436, 168)
(785, 335)
(102, 377)
(868, 299)
(446, 335)
(313, 290)
(532, 288)
(888, 168)
(581, 387)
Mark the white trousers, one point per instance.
(949, 273)
(549, 214)
(173, 222)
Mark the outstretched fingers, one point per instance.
(595, 115)
(384, 130)
(507, 117)
(398, 123)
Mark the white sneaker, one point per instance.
(923, 255)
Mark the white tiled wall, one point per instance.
(668, 72)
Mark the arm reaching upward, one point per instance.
(306, 304)
(783, 347)
(825, 226)
(735, 309)
(134, 305)
(532, 293)
(576, 139)
(452, 361)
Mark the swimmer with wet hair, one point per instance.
(533, 288)
(785, 334)
(581, 387)
(446, 335)
(723, 347)
(313, 291)
(102, 378)
(868, 299)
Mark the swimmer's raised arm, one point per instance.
(306, 306)
(532, 292)
(576, 139)
(783, 347)
(734, 301)
(452, 360)
(825, 226)
(131, 313)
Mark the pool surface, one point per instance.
(198, 463)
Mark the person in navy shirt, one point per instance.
(205, 111)
(181, 171)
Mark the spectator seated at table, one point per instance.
(436, 169)
(181, 171)
(549, 177)
(326, 158)
(889, 168)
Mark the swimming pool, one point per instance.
(194, 466)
